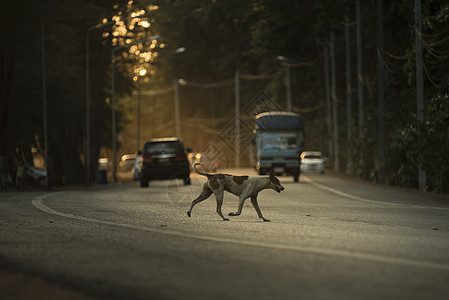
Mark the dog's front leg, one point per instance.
(256, 207)
(239, 210)
(219, 195)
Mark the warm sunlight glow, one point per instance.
(143, 72)
(144, 24)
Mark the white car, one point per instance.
(312, 161)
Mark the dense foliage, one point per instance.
(55, 32)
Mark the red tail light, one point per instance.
(147, 158)
(181, 157)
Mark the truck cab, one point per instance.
(279, 143)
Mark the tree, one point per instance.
(21, 117)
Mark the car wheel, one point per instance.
(296, 177)
(144, 182)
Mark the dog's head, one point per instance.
(274, 183)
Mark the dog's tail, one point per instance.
(198, 171)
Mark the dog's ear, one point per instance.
(271, 174)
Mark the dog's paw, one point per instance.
(225, 219)
(231, 214)
(188, 213)
(266, 220)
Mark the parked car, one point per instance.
(104, 164)
(127, 163)
(312, 161)
(163, 158)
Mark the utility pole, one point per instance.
(419, 82)
(44, 96)
(334, 101)
(361, 164)
(237, 117)
(348, 97)
(381, 90)
(328, 98)
(289, 89)
(139, 99)
(176, 104)
(360, 69)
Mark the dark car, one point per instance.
(164, 158)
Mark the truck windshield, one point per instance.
(279, 141)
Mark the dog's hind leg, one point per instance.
(203, 196)
(256, 207)
(219, 194)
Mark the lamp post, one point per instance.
(288, 63)
(284, 59)
(87, 158)
(114, 141)
(176, 96)
(142, 73)
(44, 96)
(176, 105)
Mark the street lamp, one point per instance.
(283, 60)
(179, 50)
(87, 158)
(114, 142)
(176, 95)
(142, 73)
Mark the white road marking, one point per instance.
(38, 202)
(329, 189)
(323, 187)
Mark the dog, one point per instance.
(243, 187)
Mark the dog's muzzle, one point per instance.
(279, 188)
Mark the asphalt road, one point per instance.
(329, 238)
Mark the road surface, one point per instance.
(329, 238)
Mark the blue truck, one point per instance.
(279, 142)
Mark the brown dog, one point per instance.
(242, 186)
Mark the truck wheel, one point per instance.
(296, 177)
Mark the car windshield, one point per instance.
(163, 148)
(129, 161)
(312, 156)
(277, 141)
